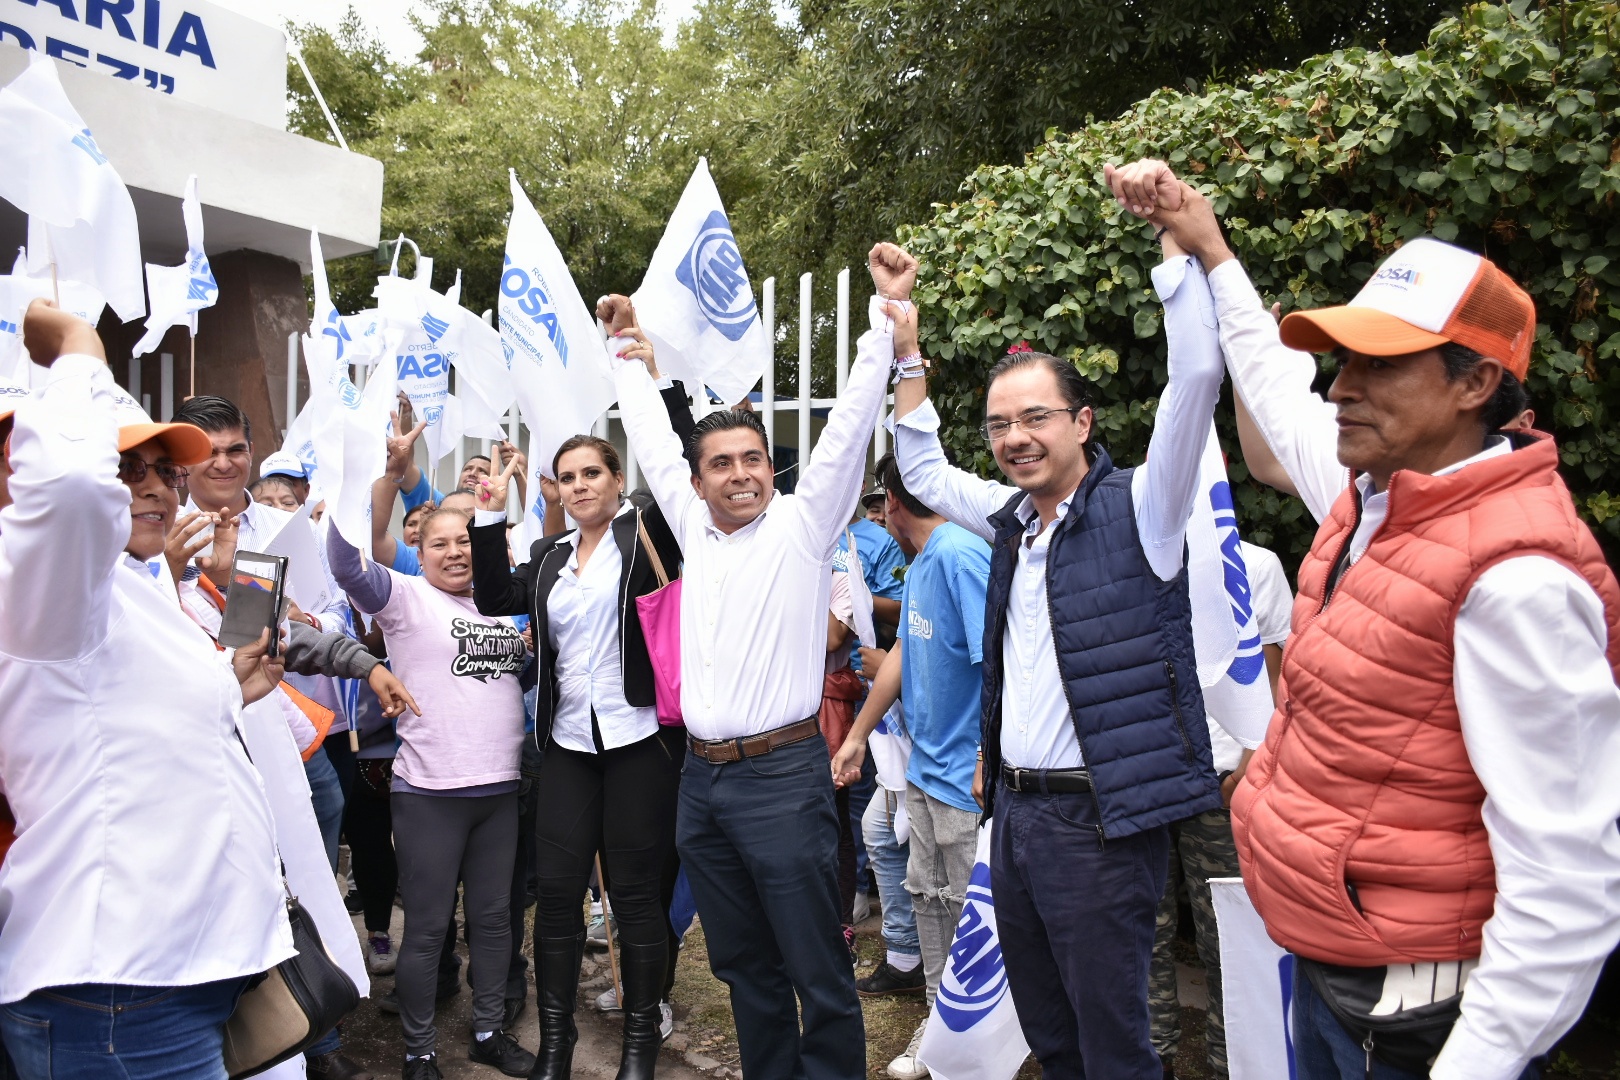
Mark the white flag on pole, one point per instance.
(695, 301)
(973, 1031)
(1257, 986)
(348, 427)
(80, 215)
(558, 360)
(179, 292)
(17, 290)
(1226, 638)
(424, 343)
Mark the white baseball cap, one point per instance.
(283, 463)
(1424, 295)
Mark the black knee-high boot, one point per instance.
(557, 964)
(641, 967)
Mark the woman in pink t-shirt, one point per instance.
(454, 798)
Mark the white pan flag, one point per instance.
(423, 344)
(80, 215)
(179, 292)
(348, 427)
(1257, 985)
(695, 302)
(1226, 638)
(558, 360)
(17, 291)
(973, 1031)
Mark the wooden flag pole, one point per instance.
(607, 925)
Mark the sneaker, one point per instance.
(608, 1000)
(906, 1066)
(863, 907)
(886, 980)
(352, 903)
(380, 958)
(596, 933)
(666, 1019)
(514, 1009)
(503, 1052)
(389, 1002)
(333, 1066)
(422, 1068)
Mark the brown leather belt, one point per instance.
(720, 751)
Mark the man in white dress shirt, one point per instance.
(1430, 826)
(756, 827)
(1093, 737)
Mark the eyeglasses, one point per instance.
(1034, 420)
(132, 470)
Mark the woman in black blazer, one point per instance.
(610, 772)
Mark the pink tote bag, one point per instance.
(660, 615)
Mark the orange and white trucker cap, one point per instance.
(1424, 295)
(187, 444)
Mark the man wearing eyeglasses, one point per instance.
(1093, 737)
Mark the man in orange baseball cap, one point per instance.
(1430, 826)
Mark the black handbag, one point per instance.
(1409, 1039)
(286, 1010)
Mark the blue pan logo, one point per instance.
(975, 979)
(1250, 660)
(348, 393)
(713, 270)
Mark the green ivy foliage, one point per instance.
(1502, 136)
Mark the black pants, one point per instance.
(369, 825)
(517, 987)
(1076, 916)
(759, 840)
(620, 802)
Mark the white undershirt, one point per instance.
(1540, 716)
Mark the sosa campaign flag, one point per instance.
(695, 302)
(973, 1031)
(1257, 984)
(556, 354)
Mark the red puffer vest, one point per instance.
(1364, 776)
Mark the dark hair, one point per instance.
(724, 420)
(1072, 386)
(478, 457)
(610, 456)
(423, 508)
(1510, 398)
(274, 480)
(433, 515)
(213, 414)
(887, 472)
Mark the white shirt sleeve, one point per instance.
(830, 482)
(1274, 381)
(489, 517)
(68, 521)
(1541, 718)
(658, 450)
(954, 494)
(1164, 488)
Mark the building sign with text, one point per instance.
(192, 49)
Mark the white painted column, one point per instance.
(292, 380)
(804, 372)
(767, 396)
(843, 329)
(165, 387)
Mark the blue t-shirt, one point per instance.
(942, 627)
(880, 557)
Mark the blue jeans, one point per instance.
(889, 868)
(326, 794)
(1075, 915)
(95, 1030)
(1324, 1050)
(758, 839)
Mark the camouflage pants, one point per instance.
(1200, 848)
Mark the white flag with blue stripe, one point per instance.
(973, 1031)
(179, 292)
(1226, 637)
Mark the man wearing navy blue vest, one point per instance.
(1093, 737)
